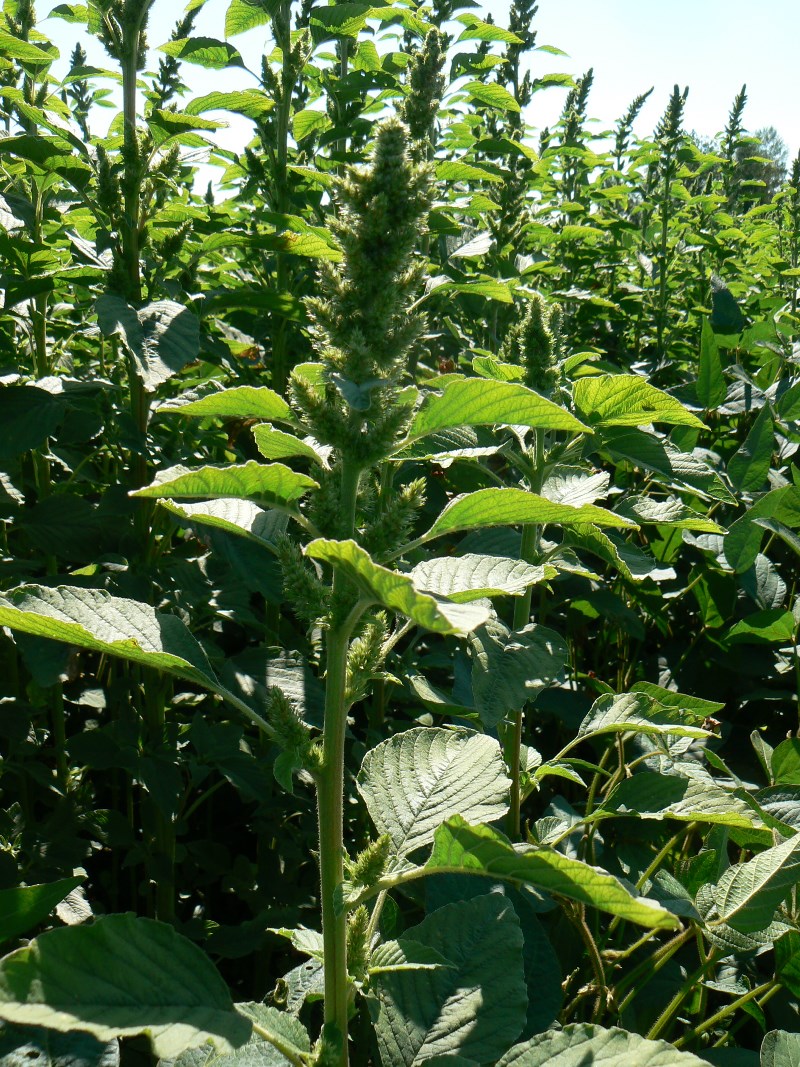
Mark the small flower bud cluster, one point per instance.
(534, 343)
(392, 525)
(425, 88)
(358, 944)
(368, 867)
(309, 597)
(365, 657)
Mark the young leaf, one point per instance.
(473, 1007)
(628, 400)
(272, 483)
(118, 977)
(415, 780)
(379, 585)
(479, 850)
(24, 907)
(510, 667)
(502, 507)
(583, 1043)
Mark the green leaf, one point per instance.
(244, 15)
(476, 402)
(161, 337)
(271, 483)
(379, 585)
(628, 400)
(240, 517)
(472, 1008)
(787, 965)
(118, 977)
(504, 507)
(34, 1046)
(492, 94)
(31, 55)
(788, 405)
(785, 762)
(646, 510)
(478, 30)
(748, 894)
(649, 452)
(582, 1044)
(672, 699)
(773, 627)
(204, 52)
(649, 795)
(454, 170)
(749, 466)
(711, 387)
(627, 558)
(509, 668)
(415, 780)
(275, 444)
(309, 121)
(638, 713)
(28, 415)
(744, 537)
(472, 577)
(241, 402)
(252, 103)
(26, 906)
(780, 1049)
(405, 955)
(479, 850)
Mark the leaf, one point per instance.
(28, 415)
(749, 466)
(275, 444)
(34, 1046)
(415, 780)
(671, 699)
(649, 795)
(379, 585)
(764, 627)
(472, 1008)
(711, 386)
(405, 955)
(580, 1044)
(161, 337)
(627, 558)
(455, 170)
(244, 15)
(309, 121)
(271, 483)
(504, 507)
(26, 906)
(650, 452)
(785, 762)
(744, 537)
(748, 894)
(479, 850)
(478, 30)
(780, 1049)
(575, 486)
(118, 977)
(509, 668)
(240, 517)
(646, 511)
(252, 103)
(31, 55)
(476, 402)
(204, 52)
(628, 400)
(241, 402)
(492, 94)
(638, 713)
(472, 577)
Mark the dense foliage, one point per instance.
(400, 558)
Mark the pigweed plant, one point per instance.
(400, 570)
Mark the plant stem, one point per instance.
(768, 988)
(522, 614)
(649, 967)
(674, 1006)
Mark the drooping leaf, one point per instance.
(748, 894)
(244, 15)
(628, 400)
(471, 576)
(240, 402)
(251, 103)
(649, 795)
(405, 955)
(472, 1008)
(24, 907)
(650, 452)
(240, 517)
(118, 977)
(502, 507)
(272, 483)
(204, 52)
(479, 850)
(580, 1044)
(275, 444)
(492, 94)
(415, 780)
(509, 667)
(630, 560)
(749, 466)
(711, 386)
(638, 713)
(379, 585)
(647, 510)
(161, 337)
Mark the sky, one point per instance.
(713, 46)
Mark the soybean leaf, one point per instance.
(780, 1049)
(627, 558)
(711, 386)
(415, 780)
(479, 850)
(379, 585)
(659, 455)
(671, 512)
(24, 907)
(638, 713)
(501, 507)
(118, 977)
(671, 699)
(471, 576)
(749, 466)
(743, 540)
(476, 402)
(35, 1046)
(748, 894)
(582, 1043)
(509, 667)
(649, 795)
(628, 400)
(472, 1008)
(272, 483)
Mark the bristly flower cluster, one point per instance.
(363, 327)
(534, 343)
(425, 88)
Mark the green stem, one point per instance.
(649, 967)
(686, 990)
(767, 989)
(288, 1051)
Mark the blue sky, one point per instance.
(713, 46)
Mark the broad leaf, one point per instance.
(711, 386)
(649, 452)
(471, 577)
(638, 713)
(272, 483)
(379, 585)
(749, 466)
(748, 894)
(282, 1026)
(646, 511)
(240, 517)
(405, 955)
(161, 337)
(510, 667)
(581, 1044)
(241, 402)
(628, 400)
(472, 1008)
(502, 507)
(204, 52)
(743, 540)
(627, 558)
(479, 850)
(34, 1046)
(26, 906)
(780, 1049)
(472, 402)
(417, 779)
(649, 795)
(275, 444)
(118, 977)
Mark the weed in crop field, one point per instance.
(400, 548)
